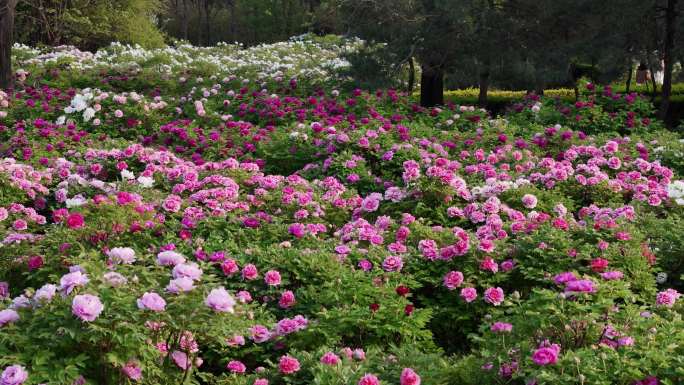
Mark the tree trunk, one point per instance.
(6, 41)
(628, 84)
(412, 75)
(653, 81)
(670, 25)
(431, 86)
(207, 25)
(484, 87)
(184, 20)
(231, 20)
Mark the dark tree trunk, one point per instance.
(484, 87)
(431, 86)
(184, 20)
(6, 41)
(653, 81)
(670, 26)
(207, 25)
(628, 84)
(231, 20)
(412, 75)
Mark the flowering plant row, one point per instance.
(269, 224)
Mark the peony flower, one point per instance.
(287, 299)
(13, 375)
(220, 301)
(70, 281)
(187, 270)
(249, 272)
(409, 377)
(453, 279)
(75, 221)
(180, 285)
(288, 365)
(330, 358)
(170, 258)
(369, 379)
(122, 255)
(494, 296)
(114, 279)
(392, 263)
(272, 278)
(87, 307)
(667, 298)
(151, 301)
(8, 316)
(546, 355)
(236, 367)
(132, 370)
(498, 327)
(468, 294)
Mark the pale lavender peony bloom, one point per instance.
(220, 301)
(13, 375)
(180, 285)
(86, 307)
(170, 258)
(8, 316)
(121, 255)
(151, 301)
(70, 281)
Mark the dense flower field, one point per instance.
(242, 216)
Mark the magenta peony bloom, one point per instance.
(132, 370)
(330, 358)
(75, 221)
(4, 290)
(151, 301)
(260, 381)
(498, 327)
(369, 379)
(287, 299)
(409, 377)
(13, 375)
(87, 307)
(249, 272)
(667, 298)
(468, 294)
(392, 263)
(220, 301)
(272, 278)
(546, 355)
(236, 367)
(288, 365)
(494, 295)
(453, 279)
(580, 286)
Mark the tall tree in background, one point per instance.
(431, 30)
(6, 41)
(671, 13)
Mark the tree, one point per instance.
(430, 30)
(6, 41)
(671, 12)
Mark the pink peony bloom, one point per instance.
(369, 379)
(667, 298)
(288, 365)
(151, 301)
(493, 295)
(8, 316)
(132, 370)
(13, 375)
(87, 307)
(330, 358)
(409, 377)
(272, 278)
(453, 279)
(220, 301)
(236, 367)
(546, 355)
(75, 221)
(287, 299)
(498, 327)
(468, 294)
(249, 272)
